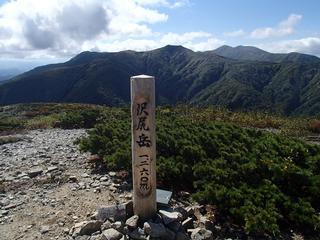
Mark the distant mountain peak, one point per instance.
(256, 54)
(169, 46)
(248, 53)
(174, 48)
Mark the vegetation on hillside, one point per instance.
(262, 181)
(15, 118)
(49, 115)
(288, 85)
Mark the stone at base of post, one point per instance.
(143, 146)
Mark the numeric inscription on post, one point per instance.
(144, 142)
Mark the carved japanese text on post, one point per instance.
(144, 142)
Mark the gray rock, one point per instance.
(182, 236)
(111, 234)
(51, 169)
(73, 179)
(96, 233)
(9, 179)
(190, 211)
(10, 206)
(175, 226)
(112, 174)
(183, 212)
(117, 212)
(4, 212)
(205, 223)
(201, 234)
(75, 230)
(169, 217)
(44, 229)
(96, 237)
(104, 179)
(155, 230)
(23, 175)
(4, 202)
(106, 225)
(117, 225)
(85, 175)
(35, 172)
(82, 238)
(87, 228)
(188, 223)
(132, 222)
(138, 234)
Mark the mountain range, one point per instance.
(238, 78)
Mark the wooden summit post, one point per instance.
(143, 146)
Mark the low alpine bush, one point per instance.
(262, 181)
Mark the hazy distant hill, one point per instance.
(5, 77)
(7, 73)
(283, 83)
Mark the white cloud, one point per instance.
(209, 44)
(197, 41)
(180, 39)
(236, 33)
(284, 28)
(166, 3)
(59, 28)
(33, 28)
(310, 45)
(127, 44)
(180, 3)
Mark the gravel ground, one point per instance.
(46, 186)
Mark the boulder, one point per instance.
(117, 212)
(111, 234)
(169, 217)
(88, 228)
(132, 222)
(155, 230)
(35, 172)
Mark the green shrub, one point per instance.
(79, 119)
(42, 122)
(10, 123)
(260, 180)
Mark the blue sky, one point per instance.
(54, 30)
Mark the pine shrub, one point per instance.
(262, 181)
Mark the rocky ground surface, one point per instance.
(46, 186)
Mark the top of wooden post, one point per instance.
(142, 76)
